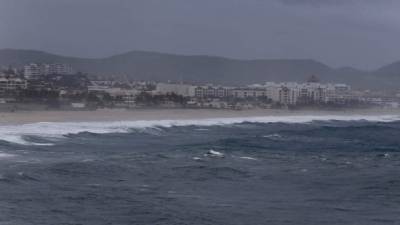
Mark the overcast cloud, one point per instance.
(359, 33)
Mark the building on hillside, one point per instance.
(35, 71)
(58, 69)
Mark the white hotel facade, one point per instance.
(34, 70)
(290, 93)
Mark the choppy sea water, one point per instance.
(262, 170)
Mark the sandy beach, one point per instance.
(24, 117)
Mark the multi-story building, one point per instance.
(249, 92)
(35, 71)
(339, 93)
(9, 86)
(304, 93)
(58, 69)
(179, 89)
(288, 96)
(211, 91)
(222, 92)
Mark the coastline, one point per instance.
(109, 115)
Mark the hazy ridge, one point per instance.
(142, 65)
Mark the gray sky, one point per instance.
(359, 33)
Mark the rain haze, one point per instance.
(359, 33)
(199, 112)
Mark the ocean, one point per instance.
(300, 170)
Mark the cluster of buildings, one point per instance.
(16, 83)
(10, 85)
(36, 71)
(291, 93)
(62, 80)
(288, 94)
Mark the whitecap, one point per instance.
(213, 153)
(273, 136)
(249, 158)
(42, 144)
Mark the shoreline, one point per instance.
(109, 115)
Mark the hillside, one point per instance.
(390, 71)
(142, 65)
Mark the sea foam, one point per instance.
(16, 133)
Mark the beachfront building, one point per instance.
(185, 90)
(249, 92)
(340, 93)
(288, 93)
(292, 93)
(210, 91)
(10, 86)
(114, 92)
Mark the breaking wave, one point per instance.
(18, 133)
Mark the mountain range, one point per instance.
(142, 65)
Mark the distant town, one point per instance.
(59, 87)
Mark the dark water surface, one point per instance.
(330, 172)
